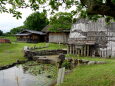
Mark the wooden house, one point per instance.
(5, 41)
(31, 36)
(56, 37)
(88, 38)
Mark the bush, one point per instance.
(66, 64)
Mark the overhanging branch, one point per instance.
(100, 8)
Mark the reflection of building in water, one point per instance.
(88, 38)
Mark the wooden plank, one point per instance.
(61, 74)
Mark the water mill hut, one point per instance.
(58, 36)
(89, 38)
(31, 36)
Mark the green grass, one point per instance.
(10, 53)
(11, 38)
(92, 75)
(51, 46)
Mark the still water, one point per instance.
(16, 76)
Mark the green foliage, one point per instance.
(61, 21)
(1, 33)
(36, 68)
(66, 64)
(36, 21)
(54, 4)
(17, 29)
(113, 1)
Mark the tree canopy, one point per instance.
(36, 21)
(17, 29)
(1, 33)
(102, 7)
(61, 21)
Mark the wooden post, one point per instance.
(82, 51)
(100, 53)
(79, 52)
(67, 49)
(73, 49)
(76, 50)
(70, 49)
(61, 74)
(85, 50)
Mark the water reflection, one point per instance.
(16, 76)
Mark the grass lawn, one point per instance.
(10, 53)
(11, 38)
(82, 75)
(92, 75)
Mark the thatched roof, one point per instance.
(45, 29)
(29, 32)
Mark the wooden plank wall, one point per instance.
(58, 37)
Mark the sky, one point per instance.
(7, 21)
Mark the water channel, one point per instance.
(17, 76)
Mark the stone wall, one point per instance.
(71, 63)
(31, 54)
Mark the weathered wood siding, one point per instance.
(58, 37)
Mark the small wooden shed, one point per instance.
(31, 36)
(56, 37)
(4, 41)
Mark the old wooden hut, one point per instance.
(4, 40)
(31, 36)
(56, 37)
(88, 38)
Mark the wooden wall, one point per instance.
(58, 37)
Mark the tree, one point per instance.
(1, 33)
(17, 29)
(60, 21)
(102, 7)
(36, 21)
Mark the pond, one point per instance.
(27, 75)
